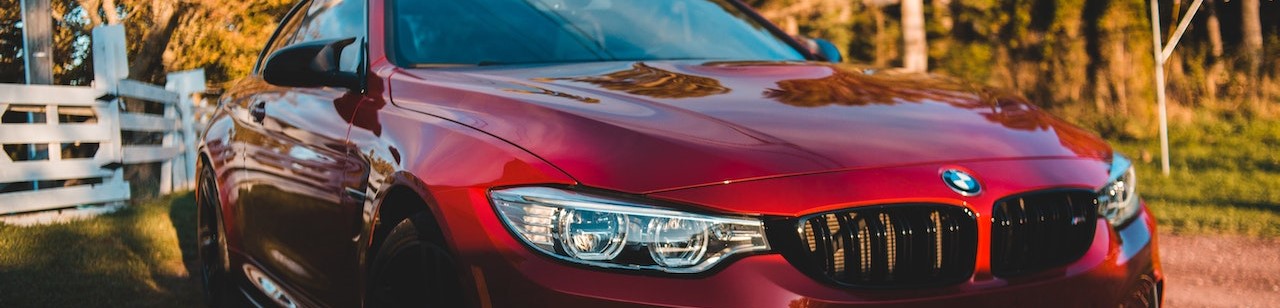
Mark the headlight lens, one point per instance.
(1118, 200)
(611, 233)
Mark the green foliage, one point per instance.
(11, 70)
(222, 37)
(1087, 60)
(227, 42)
(70, 58)
(971, 59)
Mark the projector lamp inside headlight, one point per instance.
(613, 233)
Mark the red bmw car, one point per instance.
(642, 153)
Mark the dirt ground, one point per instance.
(1218, 271)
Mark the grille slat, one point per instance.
(851, 251)
(890, 246)
(1041, 230)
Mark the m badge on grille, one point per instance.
(961, 182)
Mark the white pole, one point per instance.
(1182, 28)
(1159, 58)
(185, 83)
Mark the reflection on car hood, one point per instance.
(652, 126)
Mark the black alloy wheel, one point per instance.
(211, 243)
(412, 270)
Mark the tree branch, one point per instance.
(112, 14)
(91, 8)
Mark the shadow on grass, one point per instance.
(136, 257)
(182, 215)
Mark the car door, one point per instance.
(297, 223)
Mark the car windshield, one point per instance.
(483, 32)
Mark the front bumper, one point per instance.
(1120, 268)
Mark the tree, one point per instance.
(11, 70)
(163, 36)
(915, 50)
(1251, 43)
(1216, 67)
(66, 50)
(150, 27)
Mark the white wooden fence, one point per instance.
(53, 135)
(49, 133)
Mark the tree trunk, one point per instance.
(1173, 73)
(942, 12)
(1119, 64)
(147, 62)
(1216, 67)
(1251, 43)
(941, 15)
(882, 44)
(91, 8)
(790, 25)
(915, 50)
(1213, 27)
(111, 12)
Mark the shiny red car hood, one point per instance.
(653, 126)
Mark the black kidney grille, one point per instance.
(1041, 230)
(891, 246)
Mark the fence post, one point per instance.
(186, 84)
(166, 167)
(110, 61)
(90, 118)
(110, 65)
(115, 143)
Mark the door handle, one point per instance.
(258, 111)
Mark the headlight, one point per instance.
(612, 233)
(1118, 200)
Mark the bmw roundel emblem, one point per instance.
(961, 182)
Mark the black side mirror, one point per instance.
(822, 48)
(311, 64)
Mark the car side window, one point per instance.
(335, 19)
(283, 36)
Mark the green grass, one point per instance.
(1225, 177)
(136, 257)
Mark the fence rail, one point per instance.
(64, 146)
(34, 160)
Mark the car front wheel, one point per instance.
(412, 270)
(211, 243)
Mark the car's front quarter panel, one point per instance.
(449, 166)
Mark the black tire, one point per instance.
(211, 244)
(412, 269)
